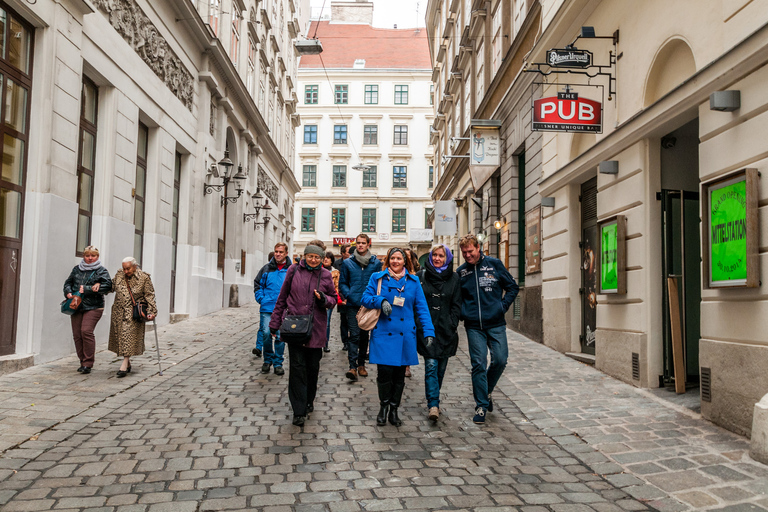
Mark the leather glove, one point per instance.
(272, 331)
(321, 299)
(428, 341)
(386, 308)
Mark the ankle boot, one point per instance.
(394, 403)
(381, 418)
(385, 393)
(394, 419)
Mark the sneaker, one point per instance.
(298, 421)
(279, 370)
(352, 374)
(265, 368)
(490, 404)
(434, 413)
(256, 352)
(361, 371)
(479, 416)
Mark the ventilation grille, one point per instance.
(517, 309)
(706, 384)
(635, 366)
(589, 201)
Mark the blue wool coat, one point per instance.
(393, 340)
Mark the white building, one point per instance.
(365, 100)
(120, 111)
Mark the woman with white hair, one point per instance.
(132, 286)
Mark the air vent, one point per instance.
(706, 384)
(635, 366)
(517, 309)
(589, 201)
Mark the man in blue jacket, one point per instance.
(266, 288)
(356, 271)
(487, 292)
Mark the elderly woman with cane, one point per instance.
(393, 340)
(134, 305)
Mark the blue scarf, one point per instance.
(448, 259)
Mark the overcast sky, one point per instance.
(387, 13)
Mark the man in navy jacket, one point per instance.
(356, 271)
(487, 292)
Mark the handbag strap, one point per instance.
(129, 291)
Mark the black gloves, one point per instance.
(320, 299)
(428, 341)
(386, 307)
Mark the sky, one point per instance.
(386, 13)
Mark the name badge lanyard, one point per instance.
(399, 300)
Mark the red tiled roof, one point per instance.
(380, 47)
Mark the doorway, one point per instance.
(588, 290)
(681, 249)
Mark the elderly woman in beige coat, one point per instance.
(126, 335)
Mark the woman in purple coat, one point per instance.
(308, 288)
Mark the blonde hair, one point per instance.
(468, 240)
(91, 249)
(436, 247)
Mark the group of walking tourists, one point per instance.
(390, 313)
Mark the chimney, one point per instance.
(358, 12)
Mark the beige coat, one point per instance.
(126, 336)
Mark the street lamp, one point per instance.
(225, 171)
(256, 198)
(308, 46)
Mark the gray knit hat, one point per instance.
(313, 249)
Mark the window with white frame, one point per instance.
(234, 42)
(250, 81)
(213, 15)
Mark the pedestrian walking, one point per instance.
(257, 350)
(487, 292)
(443, 294)
(344, 252)
(90, 281)
(126, 334)
(393, 340)
(356, 271)
(328, 265)
(308, 289)
(266, 288)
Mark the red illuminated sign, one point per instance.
(567, 113)
(341, 241)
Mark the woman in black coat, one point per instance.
(443, 292)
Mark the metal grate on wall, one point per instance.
(517, 312)
(589, 200)
(635, 366)
(706, 384)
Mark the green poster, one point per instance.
(609, 261)
(728, 232)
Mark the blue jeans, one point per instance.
(434, 371)
(271, 356)
(259, 339)
(480, 343)
(328, 328)
(358, 340)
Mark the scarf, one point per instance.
(396, 277)
(85, 267)
(448, 260)
(311, 268)
(362, 259)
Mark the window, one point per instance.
(521, 207)
(398, 220)
(432, 94)
(427, 215)
(431, 183)
(251, 78)
(338, 219)
(401, 135)
(370, 134)
(86, 163)
(310, 134)
(339, 176)
(399, 177)
(342, 95)
(308, 220)
(309, 176)
(340, 134)
(175, 224)
(141, 188)
(401, 95)
(371, 94)
(234, 43)
(213, 15)
(369, 220)
(369, 177)
(310, 94)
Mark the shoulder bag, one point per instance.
(297, 329)
(368, 318)
(70, 306)
(139, 307)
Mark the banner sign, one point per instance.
(563, 58)
(484, 150)
(445, 218)
(421, 235)
(731, 215)
(612, 268)
(338, 242)
(567, 113)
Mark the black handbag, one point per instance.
(139, 307)
(297, 329)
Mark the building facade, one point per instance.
(364, 158)
(120, 114)
(477, 50)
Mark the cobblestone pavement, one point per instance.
(213, 433)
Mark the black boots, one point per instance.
(394, 403)
(385, 393)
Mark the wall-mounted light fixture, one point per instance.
(225, 167)
(608, 167)
(500, 223)
(725, 101)
(263, 224)
(548, 201)
(256, 198)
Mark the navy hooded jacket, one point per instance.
(354, 279)
(487, 292)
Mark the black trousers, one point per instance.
(303, 370)
(391, 381)
(344, 324)
(358, 339)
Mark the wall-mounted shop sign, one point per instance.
(533, 241)
(565, 58)
(445, 218)
(339, 241)
(612, 270)
(484, 150)
(567, 112)
(730, 231)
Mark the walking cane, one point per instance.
(157, 346)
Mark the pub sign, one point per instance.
(569, 58)
(567, 112)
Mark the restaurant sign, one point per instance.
(569, 58)
(567, 113)
(339, 241)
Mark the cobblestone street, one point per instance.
(213, 433)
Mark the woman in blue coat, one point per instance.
(393, 340)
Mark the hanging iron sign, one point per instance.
(567, 113)
(569, 58)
